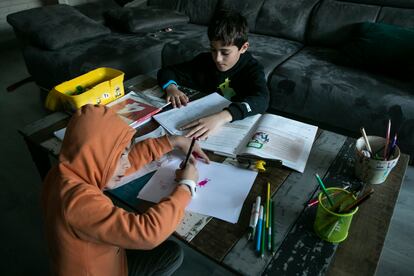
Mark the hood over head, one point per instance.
(94, 140)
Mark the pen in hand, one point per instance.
(190, 150)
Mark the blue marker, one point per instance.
(259, 229)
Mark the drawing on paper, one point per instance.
(203, 182)
(258, 140)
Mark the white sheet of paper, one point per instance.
(175, 118)
(221, 189)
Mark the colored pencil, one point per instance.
(267, 204)
(357, 202)
(387, 139)
(367, 145)
(324, 189)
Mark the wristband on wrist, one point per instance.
(168, 83)
(191, 184)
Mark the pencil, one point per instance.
(358, 202)
(267, 204)
(324, 189)
(190, 150)
(387, 139)
(367, 145)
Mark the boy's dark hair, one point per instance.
(229, 27)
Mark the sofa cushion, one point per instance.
(382, 47)
(131, 54)
(141, 20)
(285, 19)
(397, 16)
(333, 21)
(311, 86)
(56, 26)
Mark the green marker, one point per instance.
(262, 247)
(269, 233)
(324, 189)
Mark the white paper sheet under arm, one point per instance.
(222, 195)
(175, 118)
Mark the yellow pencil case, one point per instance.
(99, 86)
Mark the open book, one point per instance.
(266, 136)
(131, 108)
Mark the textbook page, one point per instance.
(175, 118)
(276, 137)
(231, 137)
(220, 192)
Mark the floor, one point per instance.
(23, 245)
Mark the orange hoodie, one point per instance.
(86, 233)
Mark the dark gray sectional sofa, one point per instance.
(299, 42)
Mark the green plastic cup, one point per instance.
(330, 223)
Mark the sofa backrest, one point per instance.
(199, 11)
(332, 21)
(286, 19)
(248, 8)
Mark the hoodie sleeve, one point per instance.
(93, 217)
(148, 150)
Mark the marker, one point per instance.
(254, 217)
(269, 233)
(259, 229)
(273, 227)
(324, 189)
(262, 246)
(190, 150)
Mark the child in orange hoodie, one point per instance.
(86, 233)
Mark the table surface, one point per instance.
(297, 248)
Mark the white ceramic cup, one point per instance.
(371, 170)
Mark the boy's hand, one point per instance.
(189, 172)
(176, 96)
(203, 127)
(184, 144)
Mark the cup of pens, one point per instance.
(375, 158)
(334, 214)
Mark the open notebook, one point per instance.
(266, 136)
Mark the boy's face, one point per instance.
(225, 57)
(122, 166)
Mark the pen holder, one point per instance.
(330, 225)
(372, 169)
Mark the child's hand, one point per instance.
(189, 172)
(203, 127)
(176, 97)
(184, 144)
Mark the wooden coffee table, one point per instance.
(297, 249)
